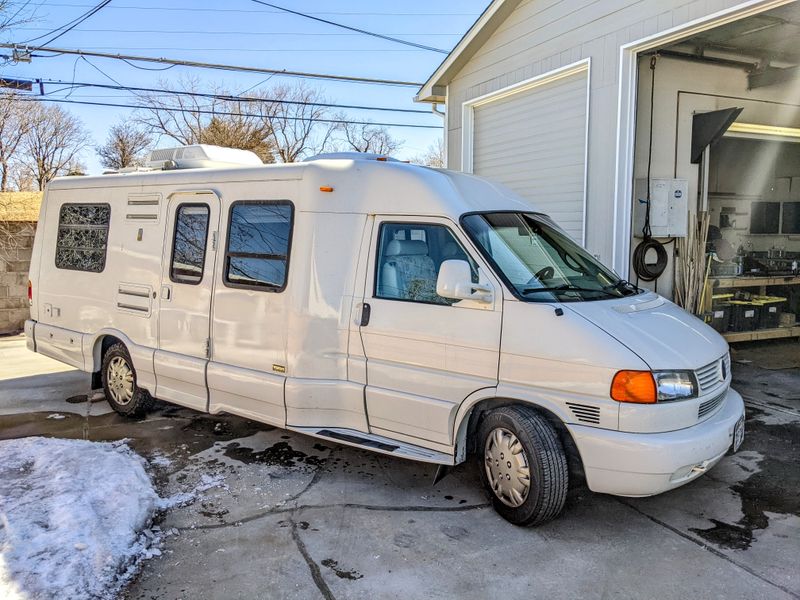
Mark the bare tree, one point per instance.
(14, 125)
(219, 119)
(125, 146)
(21, 177)
(52, 143)
(297, 121)
(433, 156)
(368, 138)
(245, 133)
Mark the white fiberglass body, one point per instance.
(360, 301)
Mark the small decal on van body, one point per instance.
(279, 368)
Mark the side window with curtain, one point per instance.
(189, 244)
(259, 237)
(409, 258)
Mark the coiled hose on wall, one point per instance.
(643, 270)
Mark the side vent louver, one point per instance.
(585, 413)
(144, 208)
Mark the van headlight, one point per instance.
(675, 385)
(649, 387)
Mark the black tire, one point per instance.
(140, 400)
(546, 462)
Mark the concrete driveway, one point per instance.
(296, 518)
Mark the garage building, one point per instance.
(683, 114)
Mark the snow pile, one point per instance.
(73, 518)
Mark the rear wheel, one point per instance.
(524, 467)
(119, 383)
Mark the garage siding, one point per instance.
(534, 142)
(543, 35)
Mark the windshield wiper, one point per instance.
(623, 286)
(567, 287)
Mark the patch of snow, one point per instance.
(206, 483)
(56, 416)
(73, 518)
(159, 460)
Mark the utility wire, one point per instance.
(216, 66)
(356, 29)
(238, 10)
(71, 25)
(226, 97)
(224, 114)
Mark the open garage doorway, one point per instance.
(715, 208)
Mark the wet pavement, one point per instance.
(297, 518)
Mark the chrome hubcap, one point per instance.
(120, 380)
(507, 467)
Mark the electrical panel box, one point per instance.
(669, 208)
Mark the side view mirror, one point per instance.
(455, 282)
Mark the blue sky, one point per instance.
(242, 32)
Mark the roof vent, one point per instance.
(201, 156)
(352, 156)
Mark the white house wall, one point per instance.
(543, 35)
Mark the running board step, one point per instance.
(377, 443)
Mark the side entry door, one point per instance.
(185, 298)
(425, 354)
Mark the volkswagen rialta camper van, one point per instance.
(420, 313)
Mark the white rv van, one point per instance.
(419, 313)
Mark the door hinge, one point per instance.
(214, 241)
(208, 347)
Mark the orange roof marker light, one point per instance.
(634, 386)
(325, 188)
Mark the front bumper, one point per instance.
(644, 464)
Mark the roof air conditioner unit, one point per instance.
(201, 156)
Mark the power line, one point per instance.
(235, 10)
(349, 28)
(224, 114)
(215, 66)
(217, 32)
(226, 97)
(71, 25)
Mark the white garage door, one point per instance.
(534, 141)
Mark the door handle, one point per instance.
(366, 311)
(166, 292)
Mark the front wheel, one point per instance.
(119, 383)
(524, 466)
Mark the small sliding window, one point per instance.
(259, 238)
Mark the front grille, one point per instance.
(713, 374)
(709, 406)
(585, 413)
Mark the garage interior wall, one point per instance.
(543, 35)
(682, 88)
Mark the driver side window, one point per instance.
(409, 258)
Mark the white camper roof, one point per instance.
(359, 186)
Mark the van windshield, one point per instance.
(540, 262)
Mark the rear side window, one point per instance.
(259, 235)
(189, 245)
(83, 237)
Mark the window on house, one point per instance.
(189, 244)
(83, 237)
(258, 245)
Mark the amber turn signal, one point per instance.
(634, 386)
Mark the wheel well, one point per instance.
(482, 408)
(101, 346)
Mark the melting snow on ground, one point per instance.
(75, 518)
